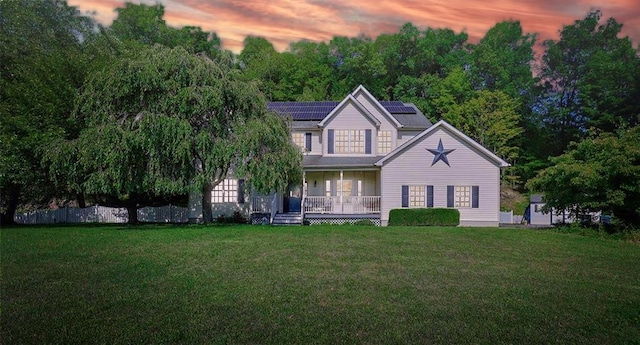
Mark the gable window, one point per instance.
(225, 191)
(349, 141)
(384, 142)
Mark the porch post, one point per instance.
(304, 183)
(341, 192)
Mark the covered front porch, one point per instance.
(326, 195)
(341, 192)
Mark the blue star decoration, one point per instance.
(440, 154)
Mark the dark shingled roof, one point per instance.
(406, 114)
(317, 161)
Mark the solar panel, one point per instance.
(319, 110)
(304, 110)
(401, 109)
(391, 104)
(397, 107)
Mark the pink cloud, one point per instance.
(286, 21)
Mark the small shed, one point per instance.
(534, 215)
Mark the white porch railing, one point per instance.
(261, 204)
(349, 204)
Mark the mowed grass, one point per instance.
(318, 284)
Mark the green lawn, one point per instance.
(333, 284)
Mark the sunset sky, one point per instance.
(286, 21)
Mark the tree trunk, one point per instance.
(81, 201)
(14, 197)
(207, 214)
(132, 212)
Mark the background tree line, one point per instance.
(583, 92)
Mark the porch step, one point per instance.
(287, 219)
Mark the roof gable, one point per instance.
(349, 100)
(443, 124)
(361, 90)
(398, 114)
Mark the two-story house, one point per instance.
(364, 157)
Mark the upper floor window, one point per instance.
(299, 140)
(302, 140)
(349, 141)
(384, 142)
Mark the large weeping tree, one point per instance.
(164, 122)
(43, 60)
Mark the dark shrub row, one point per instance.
(424, 216)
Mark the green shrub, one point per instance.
(236, 218)
(366, 222)
(424, 216)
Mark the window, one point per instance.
(342, 141)
(384, 142)
(357, 141)
(349, 141)
(299, 140)
(327, 188)
(416, 196)
(462, 196)
(225, 191)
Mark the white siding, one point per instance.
(536, 215)
(316, 143)
(349, 117)
(468, 168)
(404, 136)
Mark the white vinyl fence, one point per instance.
(510, 218)
(102, 214)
